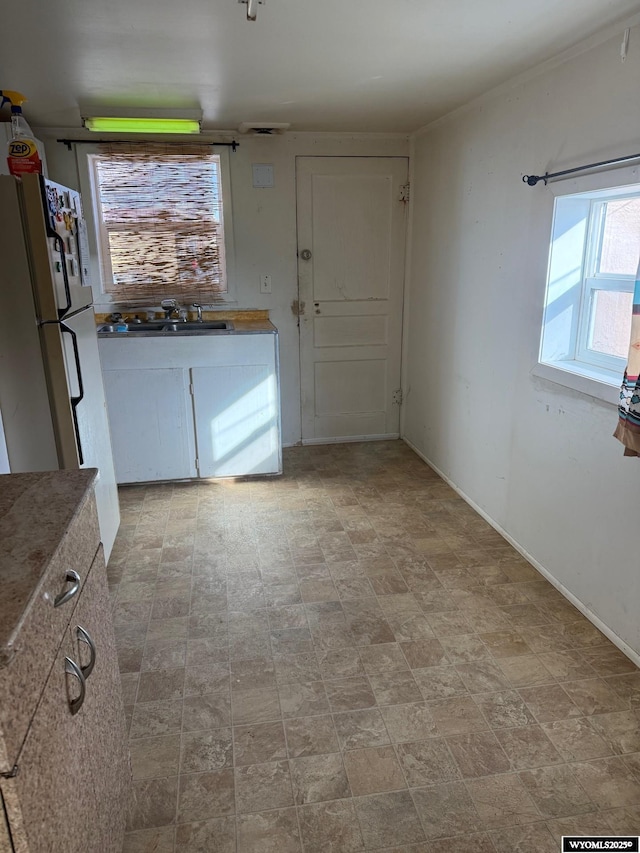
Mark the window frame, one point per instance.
(564, 356)
(593, 281)
(98, 249)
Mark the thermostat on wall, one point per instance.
(262, 175)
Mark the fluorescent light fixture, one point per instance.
(119, 124)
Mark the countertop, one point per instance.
(35, 511)
(248, 321)
(253, 326)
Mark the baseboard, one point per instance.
(595, 620)
(344, 439)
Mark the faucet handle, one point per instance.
(168, 303)
(198, 308)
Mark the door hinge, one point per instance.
(197, 464)
(191, 388)
(405, 190)
(397, 396)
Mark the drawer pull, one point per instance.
(74, 579)
(85, 637)
(72, 668)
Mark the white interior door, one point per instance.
(351, 247)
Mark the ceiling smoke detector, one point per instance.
(263, 128)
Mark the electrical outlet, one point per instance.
(265, 284)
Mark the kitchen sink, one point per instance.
(166, 327)
(195, 326)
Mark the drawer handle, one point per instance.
(74, 579)
(85, 637)
(72, 668)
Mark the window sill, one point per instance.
(600, 384)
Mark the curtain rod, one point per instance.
(532, 180)
(69, 142)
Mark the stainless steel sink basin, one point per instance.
(166, 327)
(205, 325)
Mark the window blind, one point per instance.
(160, 221)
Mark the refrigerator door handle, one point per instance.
(51, 232)
(75, 399)
(63, 262)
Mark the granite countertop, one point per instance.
(35, 511)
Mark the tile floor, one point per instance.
(349, 658)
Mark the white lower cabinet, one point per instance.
(236, 420)
(205, 406)
(151, 420)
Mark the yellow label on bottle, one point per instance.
(22, 148)
(23, 157)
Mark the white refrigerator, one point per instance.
(52, 404)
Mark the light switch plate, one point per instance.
(265, 284)
(262, 175)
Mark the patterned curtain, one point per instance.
(159, 209)
(628, 429)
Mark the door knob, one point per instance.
(305, 254)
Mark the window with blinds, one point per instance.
(160, 222)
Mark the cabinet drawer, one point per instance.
(105, 732)
(40, 634)
(6, 845)
(51, 798)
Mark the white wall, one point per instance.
(264, 224)
(539, 459)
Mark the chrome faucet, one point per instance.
(170, 307)
(198, 308)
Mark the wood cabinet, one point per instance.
(54, 786)
(5, 838)
(69, 779)
(205, 406)
(102, 714)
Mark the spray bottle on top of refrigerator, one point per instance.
(22, 153)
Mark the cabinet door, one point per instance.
(151, 422)
(6, 845)
(236, 412)
(54, 784)
(93, 640)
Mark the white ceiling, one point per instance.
(326, 65)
